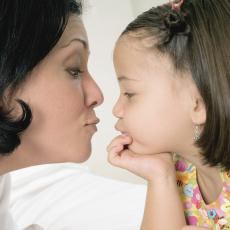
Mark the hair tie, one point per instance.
(176, 5)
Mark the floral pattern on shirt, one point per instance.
(197, 212)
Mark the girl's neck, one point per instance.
(210, 184)
(208, 178)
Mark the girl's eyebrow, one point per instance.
(124, 78)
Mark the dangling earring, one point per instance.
(196, 133)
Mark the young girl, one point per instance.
(173, 69)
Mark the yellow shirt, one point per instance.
(197, 212)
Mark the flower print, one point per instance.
(187, 205)
(190, 168)
(179, 183)
(191, 220)
(196, 198)
(204, 213)
(226, 206)
(221, 199)
(227, 187)
(220, 213)
(212, 214)
(222, 222)
(181, 166)
(188, 190)
(182, 179)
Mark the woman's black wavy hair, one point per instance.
(197, 39)
(29, 29)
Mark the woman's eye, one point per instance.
(75, 73)
(129, 95)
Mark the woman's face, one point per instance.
(62, 96)
(153, 106)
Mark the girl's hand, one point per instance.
(150, 167)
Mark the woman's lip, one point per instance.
(93, 122)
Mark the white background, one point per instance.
(104, 21)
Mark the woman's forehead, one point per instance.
(74, 30)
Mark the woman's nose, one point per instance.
(93, 94)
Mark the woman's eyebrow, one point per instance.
(83, 42)
(79, 40)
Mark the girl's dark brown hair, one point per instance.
(197, 39)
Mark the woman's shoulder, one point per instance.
(6, 221)
(4, 190)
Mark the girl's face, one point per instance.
(62, 95)
(153, 106)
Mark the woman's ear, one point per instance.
(197, 107)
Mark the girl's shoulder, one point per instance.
(186, 173)
(183, 166)
(197, 212)
(225, 175)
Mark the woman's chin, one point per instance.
(79, 155)
(83, 156)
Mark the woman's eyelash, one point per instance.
(76, 73)
(129, 95)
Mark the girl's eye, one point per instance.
(129, 95)
(75, 73)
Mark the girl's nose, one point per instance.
(117, 109)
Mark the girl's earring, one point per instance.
(197, 133)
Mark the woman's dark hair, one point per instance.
(29, 29)
(197, 39)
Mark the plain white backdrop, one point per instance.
(104, 21)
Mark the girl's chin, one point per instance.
(139, 149)
(136, 148)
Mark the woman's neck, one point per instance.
(208, 178)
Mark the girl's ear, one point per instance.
(197, 107)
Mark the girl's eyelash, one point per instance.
(129, 95)
(76, 73)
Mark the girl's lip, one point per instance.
(124, 133)
(119, 129)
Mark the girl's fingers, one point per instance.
(123, 158)
(120, 140)
(114, 155)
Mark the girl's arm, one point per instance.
(163, 210)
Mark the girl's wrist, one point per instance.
(167, 180)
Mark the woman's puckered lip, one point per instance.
(92, 121)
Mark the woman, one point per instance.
(47, 96)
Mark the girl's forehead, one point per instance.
(132, 51)
(138, 40)
(131, 59)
